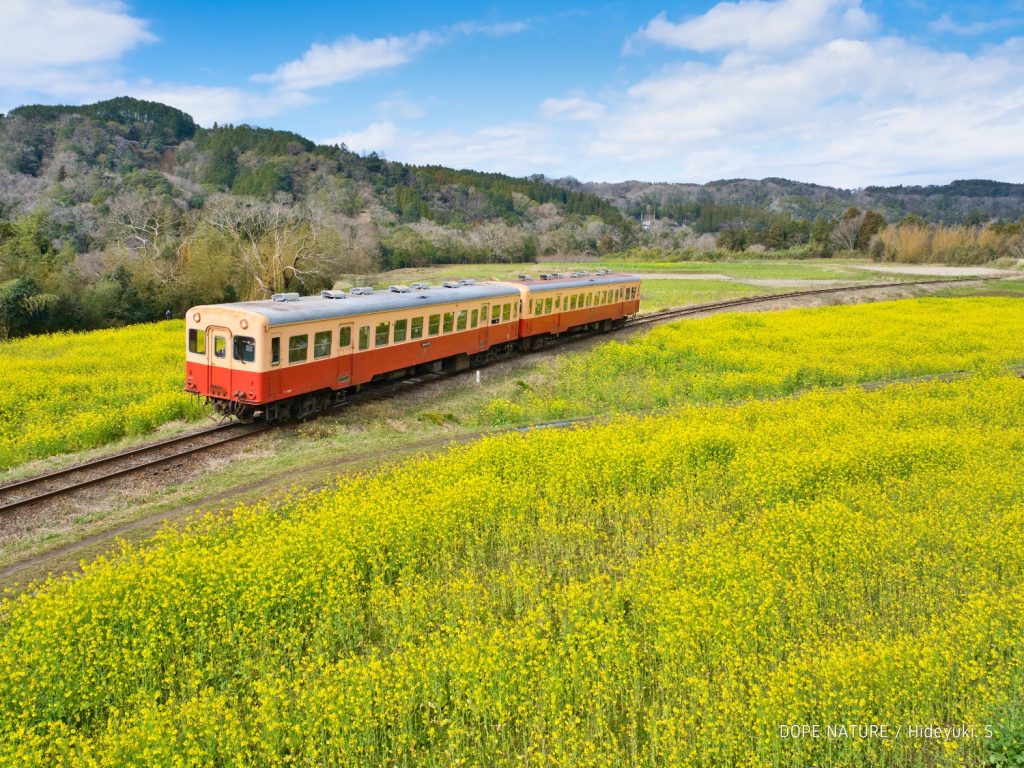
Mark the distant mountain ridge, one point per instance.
(957, 202)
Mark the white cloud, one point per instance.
(846, 112)
(43, 42)
(573, 108)
(220, 104)
(352, 57)
(757, 25)
(945, 24)
(346, 59)
(376, 137)
(55, 33)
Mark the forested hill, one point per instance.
(117, 211)
(961, 202)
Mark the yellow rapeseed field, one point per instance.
(670, 591)
(736, 356)
(68, 391)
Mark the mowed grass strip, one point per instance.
(667, 591)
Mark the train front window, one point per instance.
(275, 350)
(435, 325)
(244, 349)
(382, 334)
(416, 328)
(449, 321)
(322, 344)
(401, 326)
(220, 346)
(298, 348)
(196, 341)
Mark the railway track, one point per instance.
(21, 494)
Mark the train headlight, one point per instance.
(244, 323)
(195, 317)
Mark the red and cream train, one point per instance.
(293, 355)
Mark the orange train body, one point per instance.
(292, 355)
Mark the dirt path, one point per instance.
(935, 270)
(67, 557)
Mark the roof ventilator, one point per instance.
(399, 288)
(364, 290)
(467, 282)
(450, 284)
(420, 286)
(333, 295)
(285, 297)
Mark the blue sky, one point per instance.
(840, 92)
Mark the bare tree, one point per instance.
(277, 247)
(844, 236)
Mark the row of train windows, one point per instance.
(386, 332)
(584, 300)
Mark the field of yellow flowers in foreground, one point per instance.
(69, 391)
(735, 356)
(661, 591)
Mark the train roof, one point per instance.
(568, 282)
(301, 309)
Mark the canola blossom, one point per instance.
(660, 591)
(736, 356)
(70, 391)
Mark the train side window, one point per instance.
(434, 326)
(558, 302)
(474, 318)
(364, 337)
(220, 346)
(275, 350)
(400, 328)
(449, 321)
(322, 345)
(547, 306)
(460, 320)
(416, 328)
(515, 310)
(590, 298)
(196, 341)
(244, 349)
(382, 334)
(572, 302)
(538, 306)
(495, 313)
(506, 312)
(345, 336)
(298, 348)
(604, 297)
(483, 315)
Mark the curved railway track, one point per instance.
(21, 494)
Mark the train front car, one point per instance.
(227, 358)
(291, 355)
(554, 304)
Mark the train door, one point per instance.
(482, 328)
(218, 358)
(345, 355)
(274, 376)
